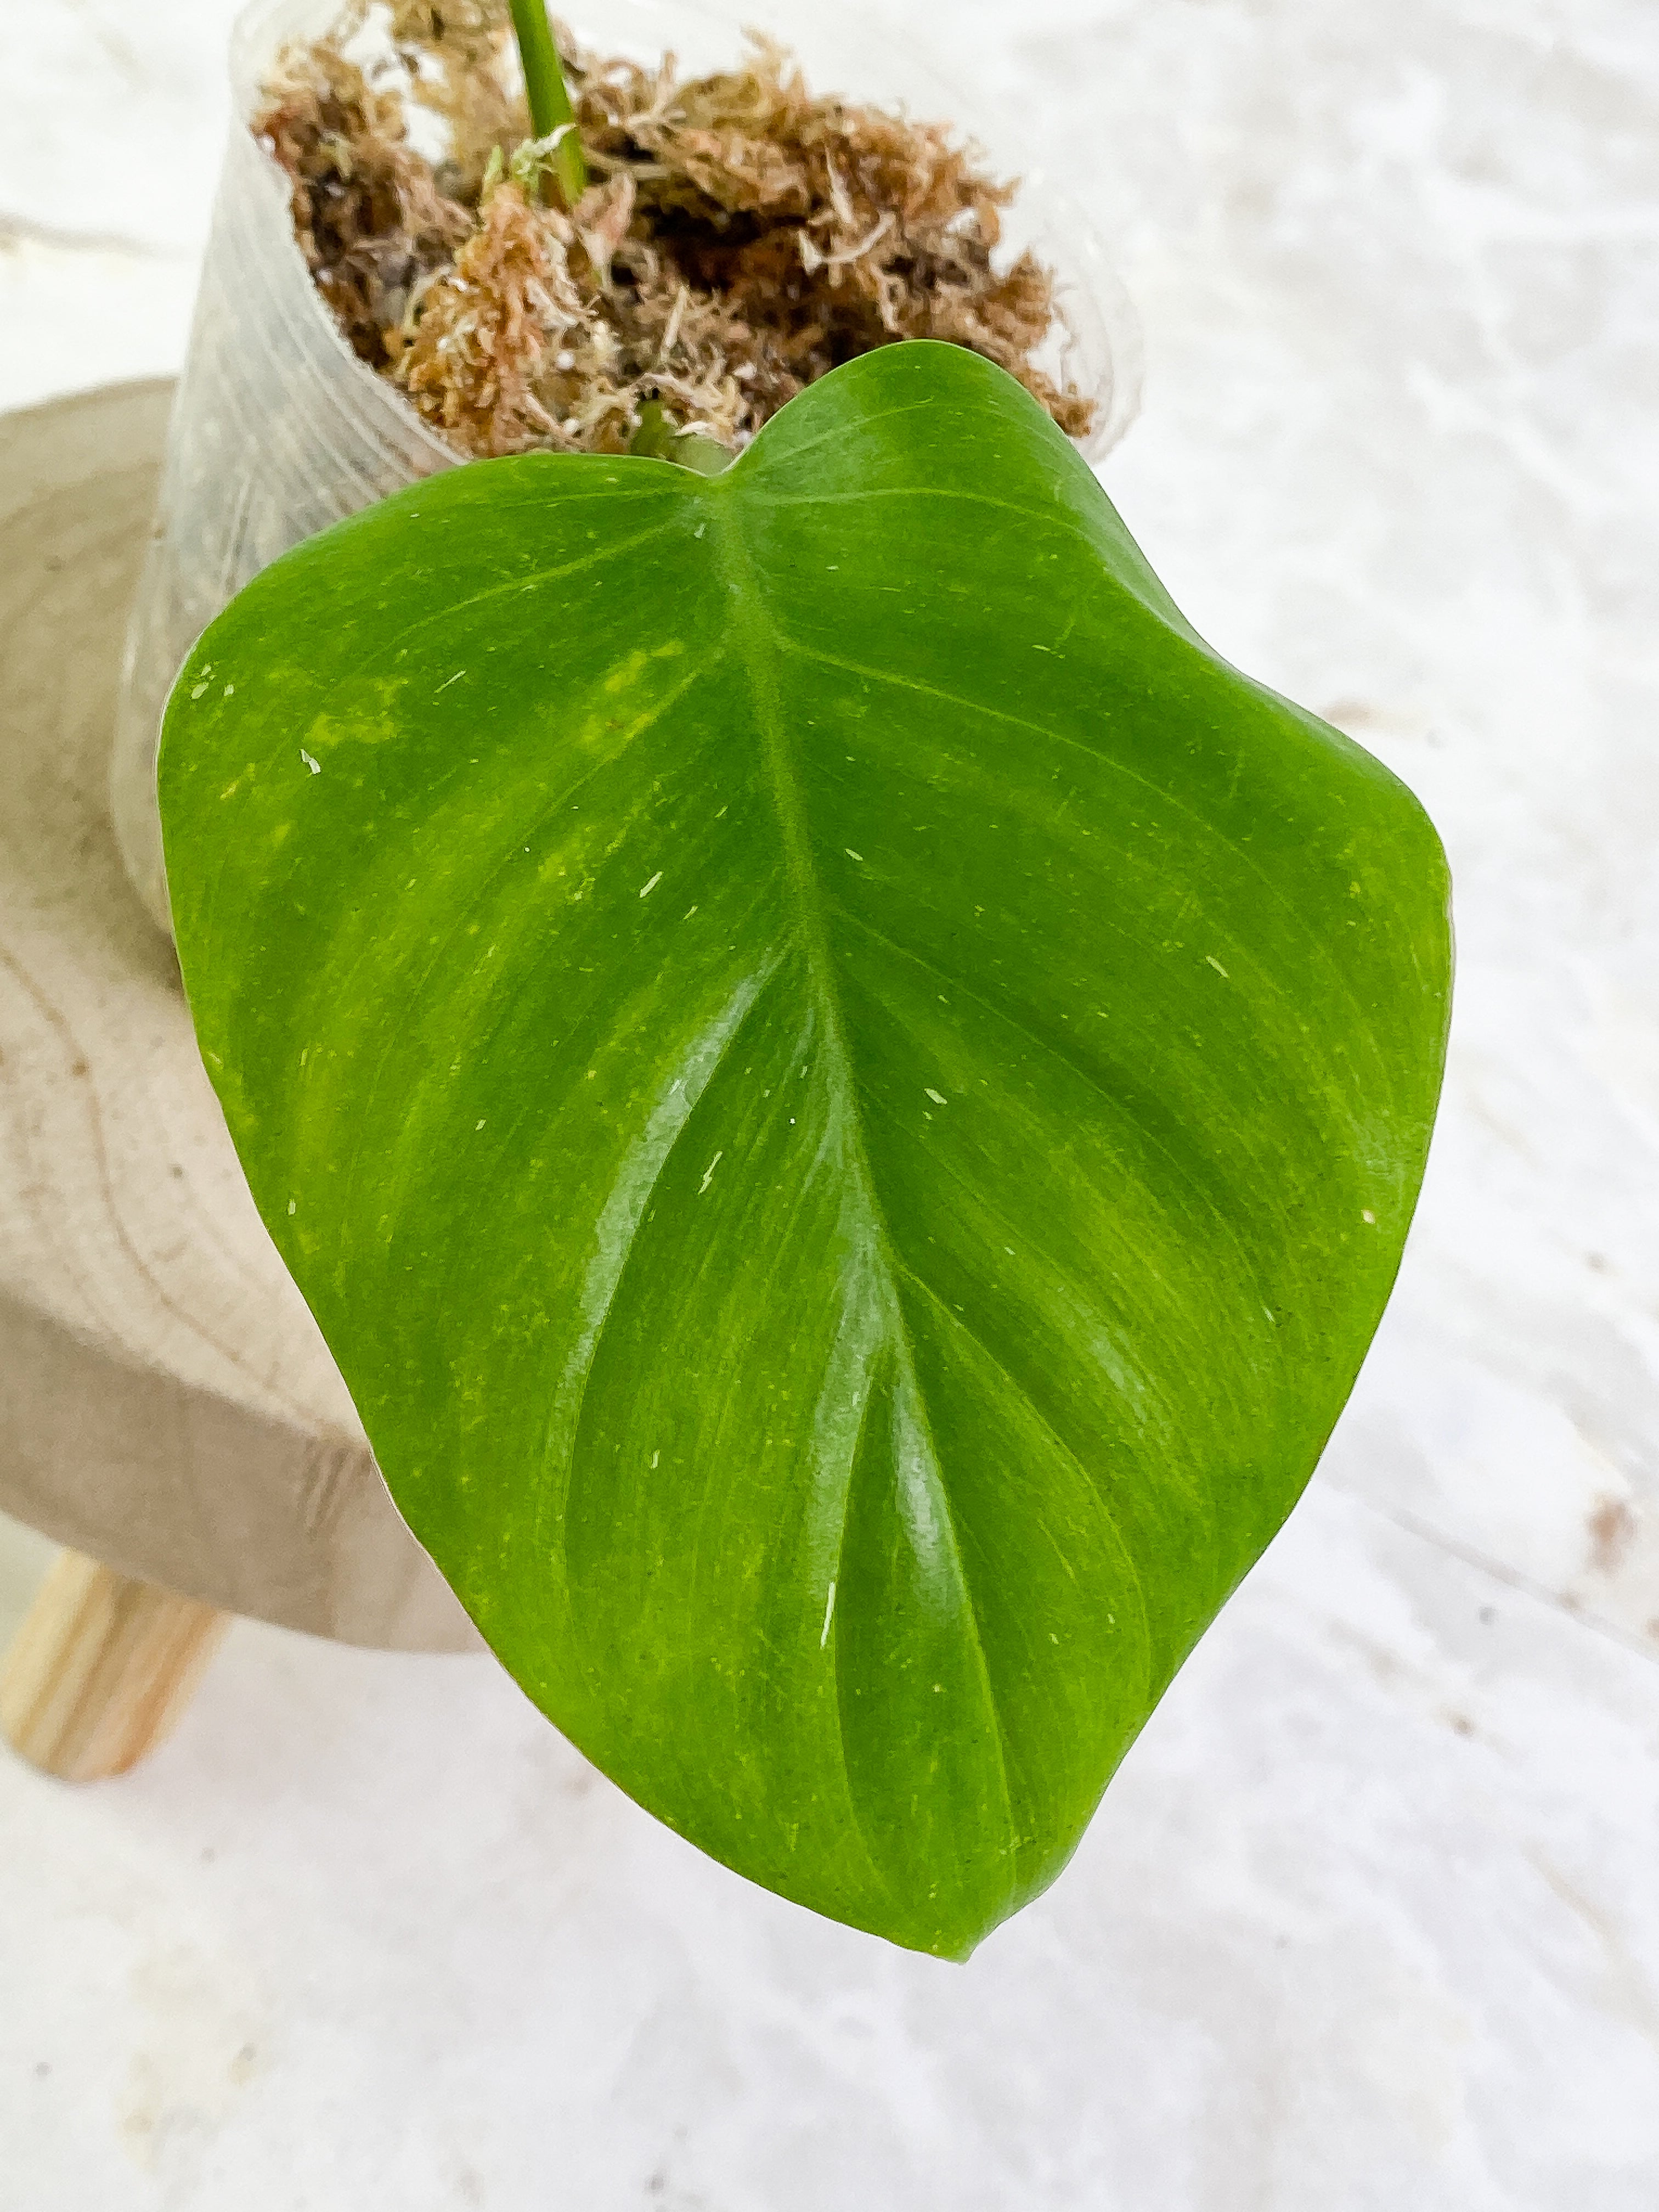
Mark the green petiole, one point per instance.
(549, 100)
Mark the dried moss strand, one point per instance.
(549, 97)
(743, 236)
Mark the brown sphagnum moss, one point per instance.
(740, 237)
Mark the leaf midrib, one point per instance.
(757, 652)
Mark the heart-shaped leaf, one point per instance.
(846, 1095)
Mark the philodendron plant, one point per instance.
(846, 1094)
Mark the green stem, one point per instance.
(550, 100)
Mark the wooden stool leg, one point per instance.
(101, 1669)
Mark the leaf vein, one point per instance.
(1001, 1369)
(1106, 760)
(530, 582)
(1066, 1059)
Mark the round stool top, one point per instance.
(166, 1401)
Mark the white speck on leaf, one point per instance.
(1217, 965)
(645, 890)
(851, 854)
(230, 690)
(315, 766)
(448, 680)
(707, 1173)
(293, 1205)
(199, 691)
(655, 1456)
(476, 1126)
(938, 1096)
(829, 1611)
(698, 531)
(1367, 1217)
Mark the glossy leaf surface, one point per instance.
(846, 1096)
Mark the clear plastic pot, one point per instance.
(279, 429)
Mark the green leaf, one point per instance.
(846, 1095)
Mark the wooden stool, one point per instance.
(167, 1406)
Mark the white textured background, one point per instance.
(1369, 1922)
